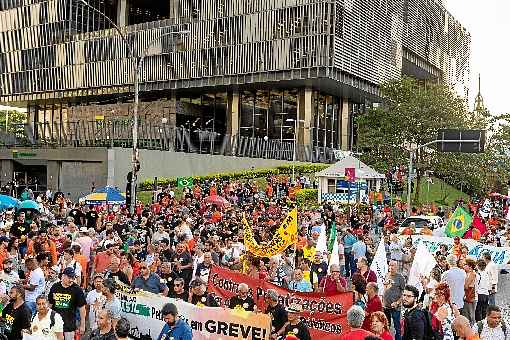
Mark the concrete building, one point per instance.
(246, 69)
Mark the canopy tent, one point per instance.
(334, 186)
(106, 195)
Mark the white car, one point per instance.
(435, 223)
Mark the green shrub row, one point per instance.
(299, 169)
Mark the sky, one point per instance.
(489, 25)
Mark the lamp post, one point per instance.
(138, 68)
(296, 121)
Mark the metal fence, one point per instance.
(118, 133)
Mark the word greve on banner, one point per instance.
(325, 315)
(500, 255)
(143, 310)
(285, 236)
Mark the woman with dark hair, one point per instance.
(380, 326)
(442, 312)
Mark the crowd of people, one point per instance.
(60, 266)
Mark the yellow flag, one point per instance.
(285, 235)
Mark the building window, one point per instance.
(331, 185)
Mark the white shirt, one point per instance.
(41, 328)
(91, 299)
(482, 282)
(36, 279)
(492, 271)
(490, 333)
(455, 278)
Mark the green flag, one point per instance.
(459, 223)
(332, 237)
(184, 182)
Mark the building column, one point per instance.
(233, 113)
(344, 125)
(305, 112)
(171, 117)
(122, 13)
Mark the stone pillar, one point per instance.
(233, 113)
(344, 125)
(171, 116)
(122, 13)
(7, 171)
(305, 112)
(53, 175)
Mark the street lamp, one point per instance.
(138, 68)
(296, 121)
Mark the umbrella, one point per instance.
(29, 205)
(108, 195)
(7, 202)
(217, 201)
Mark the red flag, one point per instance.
(350, 174)
(478, 224)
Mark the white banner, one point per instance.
(423, 264)
(143, 310)
(380, 265)
(500, 255)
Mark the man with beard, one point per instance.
(166, 274)
(46, 324)
(415, 322)
(16, 315)
(8, 275)
(175, 327)
(242, 300)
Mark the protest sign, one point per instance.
(325, 315)
(143, 310)
(285, 235)
(500, 255)
(380, 265)
(423, 264)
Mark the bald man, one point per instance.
(463, 329)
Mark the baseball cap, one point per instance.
(4, 239)
(69, 272)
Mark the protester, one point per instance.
(442, 311)
(67, 298)
(16, 315)
(492, 327)
(333, 282)
(278, 313)
(174, 327)
(122, 329)
(34, 284)
(470, 294)
(379, 326)
(462, 328)
(355, 318)
(178, 290)
(482, 289)
(109, 301)
(394, 284)
(93, 300)
(46, 323)
(149, 282)
(199, 296)
(415, 321)
(493, 273)
(455, 278)
(373, 305)
(242, 300)
(295, 326)
(104, 330)
(299, 283)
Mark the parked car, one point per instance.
(420, 222)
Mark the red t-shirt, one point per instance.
(373, 305)
(357, 334)
(328, 285)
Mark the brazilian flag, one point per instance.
(184, 182)
(459, 223)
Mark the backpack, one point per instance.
(429, 332)
(479, 325)
(52, 318)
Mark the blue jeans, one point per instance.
(31, 306)
(492, 299)
(350, 264)
(393, 315)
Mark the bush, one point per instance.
(307, 197)
(299, 169)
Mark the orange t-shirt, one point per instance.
(4, 254)
(49, 247)
(102, 260)
(216, 217)
(473, 337)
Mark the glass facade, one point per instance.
(326, 115)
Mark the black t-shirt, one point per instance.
(300, 331)
(167, 255)
(247, 304)
(66, 301)
(122, 230)
(96, 335)
(19, 229)
(119, 275)
(91, 219)
(204, 300)
(183, 296)
(184, 259)
(77, 215)
(278, 316)
(16, 320)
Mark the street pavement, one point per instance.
(503, 296)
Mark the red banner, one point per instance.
(325, 315)
(350, 174)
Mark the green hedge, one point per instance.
(307, 197)
(148, 184)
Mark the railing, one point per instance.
(118, 133)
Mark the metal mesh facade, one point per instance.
(58, 48)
